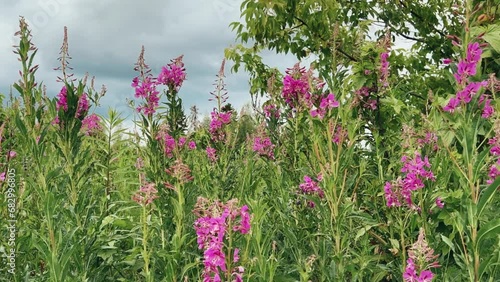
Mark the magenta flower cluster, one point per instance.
(264, 147)
(420, 259)
(271, 111)
(410, 274)
(339, 135)
(327, 103)
(311, 187)
(465, 69)
(83, 106)
(364, 96)
(173, 74)
(146, 89)
(170, 145)
(217, 123)
(416, 171)
(62, 99)
(216, 221)
(299, 88)
(296, 87)
(91, 124)
(494, 171)
(384, 69)
(146, 194)
(211, 154)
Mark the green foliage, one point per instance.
(119, 205)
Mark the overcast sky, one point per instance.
(105, 39)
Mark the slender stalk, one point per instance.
(145, 234)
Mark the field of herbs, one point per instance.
(368, 165)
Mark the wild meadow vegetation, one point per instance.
(372, 164)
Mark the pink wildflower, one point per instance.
(211, 228)
(173, 74)
(244, 226)
(340, 135)
(384, 69)
(146, 194)
(146, 89)
(466, 68)
(295, 86)
(420, 259)
(488, 110)
(211, 154)
(192, 145)
(415, 173)
(271, 111)
(62, 101)
(452, 105)
(439, 203)
(91, 124)
(169, 143)
(264, 147)
(310, 187)
(218, 121)
(494, 172)
(12, 154)
(391, 197)
(83, 106)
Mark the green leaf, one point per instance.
(491, 228)
(492, 36)
(487, 195)
(448, 242)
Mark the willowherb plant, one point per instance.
(420, 259)
(173, 74)
(264, 147)
(468, 89)
(400, 191)
(145, 87)
(494, 170)
(311, 187)
(217, 223)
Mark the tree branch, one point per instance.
(340, 50)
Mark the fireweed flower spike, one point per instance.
(211, 230)
(439, 203)
(402, 188)
(420, 259)
(83, 106)
(217, 123)
(494, 170)
(311, 187)
(173, 74)
(465, 69)
(211, 154)
(264, 147)
(62, 101)
(192, 145)
(146, 194)
(295, 86)
(91, 124)
(384, 69)
(327, 103)
(145, 87)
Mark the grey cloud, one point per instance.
(105, 39)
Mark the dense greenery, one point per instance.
(373, 164)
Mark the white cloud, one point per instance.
(105, 38)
